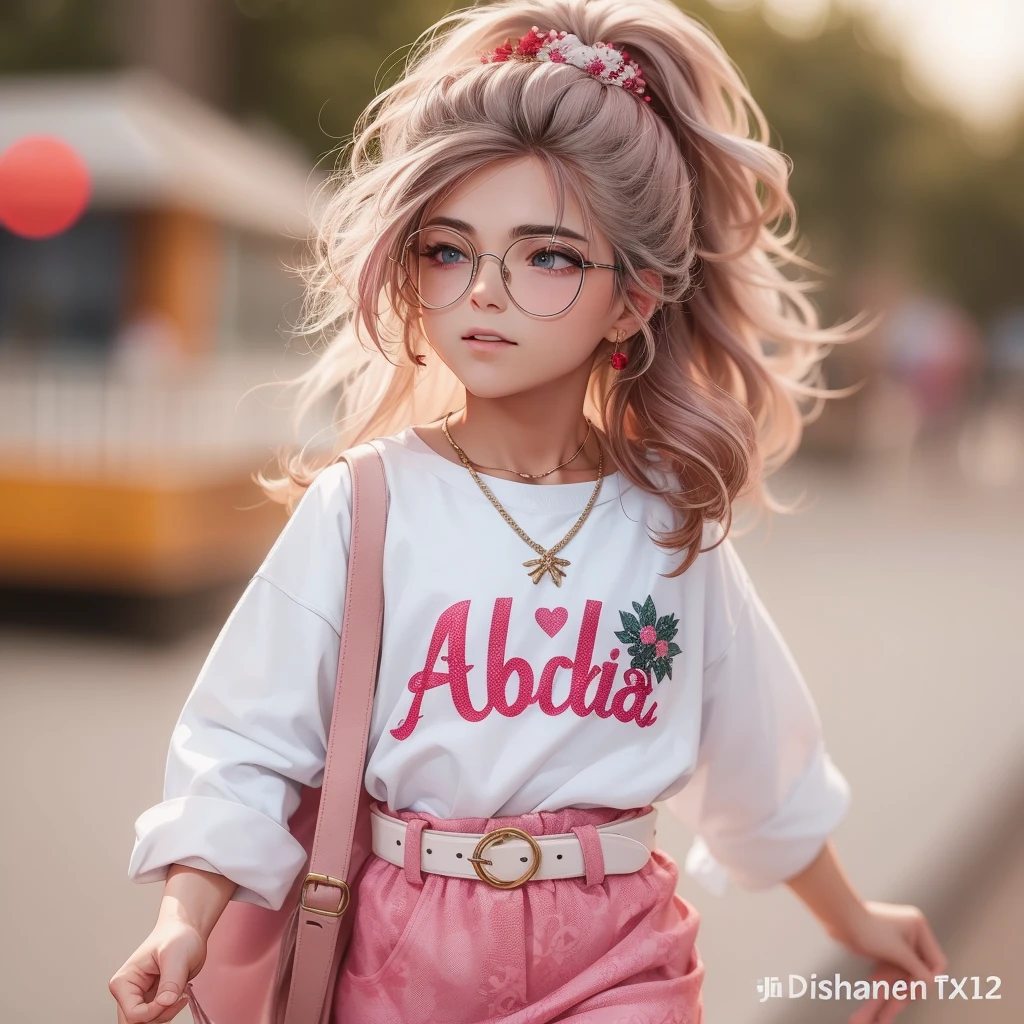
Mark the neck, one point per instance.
(529, 432)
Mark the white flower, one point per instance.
(581, 56)
(611, 57)
(565, 46)
(603, 61)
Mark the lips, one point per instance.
(483, 335)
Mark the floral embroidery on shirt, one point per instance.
(650, 638)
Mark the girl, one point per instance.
(551, 252)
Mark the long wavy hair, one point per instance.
(726, 372)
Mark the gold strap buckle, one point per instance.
(317, 879)
(494, 837)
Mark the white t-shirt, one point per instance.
(496, 695)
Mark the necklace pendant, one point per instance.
(547, 563)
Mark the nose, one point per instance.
(488, 289)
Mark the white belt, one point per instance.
(507, 858)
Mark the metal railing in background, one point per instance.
(92, 418)
(139, 478)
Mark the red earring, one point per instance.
(420, 359)
(619, 359)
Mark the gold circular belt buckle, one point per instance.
(493, 838)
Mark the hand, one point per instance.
(899, 938)
(149, 988)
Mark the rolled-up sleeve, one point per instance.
(254, 728)
(764, 794)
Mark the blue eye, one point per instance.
(449, 253)
(547, 259)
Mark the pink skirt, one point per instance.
(615, 949)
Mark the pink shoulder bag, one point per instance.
(280, 967)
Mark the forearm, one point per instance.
(195, 896)
(827, 892)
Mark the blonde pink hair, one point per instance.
(725, 374)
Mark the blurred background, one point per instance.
(157, 166)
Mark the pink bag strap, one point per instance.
(326, 884)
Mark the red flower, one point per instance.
(648, 635)
(503, 52)
(530, 44)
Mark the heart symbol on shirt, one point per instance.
(551, 620)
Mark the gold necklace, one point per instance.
(547, 563)
(537, 476)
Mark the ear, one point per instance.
(628, 324)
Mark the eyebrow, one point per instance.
(516, 232)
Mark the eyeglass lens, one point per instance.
(543, 275)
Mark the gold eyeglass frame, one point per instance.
(585, 264)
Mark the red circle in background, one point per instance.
(44, 186)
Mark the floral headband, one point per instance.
(601, 60)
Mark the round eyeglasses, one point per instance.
(542, 275)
